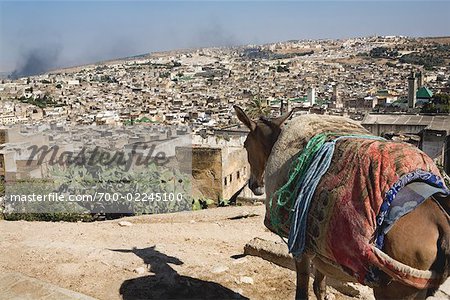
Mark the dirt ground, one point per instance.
(182, 255)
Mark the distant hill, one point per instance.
(431, 50)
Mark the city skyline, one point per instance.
(46, 35)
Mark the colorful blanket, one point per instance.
(349, 211)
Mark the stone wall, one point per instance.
(433, 143)
(235, 170)
(206, 170)
(436, 143)
(218, 173)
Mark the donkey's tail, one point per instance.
(444, 248)
(442, 263)
(443, 202)
(444, 243)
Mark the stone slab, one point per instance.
(15, 286)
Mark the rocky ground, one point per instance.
(183, 255)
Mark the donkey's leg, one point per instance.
(302, 267)
(319, 285)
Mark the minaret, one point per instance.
(335, 97)
(419, 79)
(311, 96)
(412, 89)
(285, 106)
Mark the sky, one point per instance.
(37, 35)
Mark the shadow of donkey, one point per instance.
(166, 283)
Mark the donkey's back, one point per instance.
(294, 137)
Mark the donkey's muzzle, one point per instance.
(258, 191)
(255, 187)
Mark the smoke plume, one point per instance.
(37, 61)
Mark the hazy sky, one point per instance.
(62, 33)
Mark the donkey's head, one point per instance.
(263, 135)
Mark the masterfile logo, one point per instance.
(101, 169)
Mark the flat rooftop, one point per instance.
(441, 123)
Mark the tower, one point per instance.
(335, 97)
(285, 106)
(419, 79)
(311, 96)
(412, 88)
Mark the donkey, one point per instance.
(420, 239)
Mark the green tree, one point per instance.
(2, 187)
(439, 104)
(257, 108)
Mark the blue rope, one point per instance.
(307, 186)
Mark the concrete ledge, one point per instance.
(15, 286)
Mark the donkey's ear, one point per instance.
(244, 118)
(280, 120)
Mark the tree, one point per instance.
(439, 104)
(282, 68)
(2, 186)
(257, 108)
